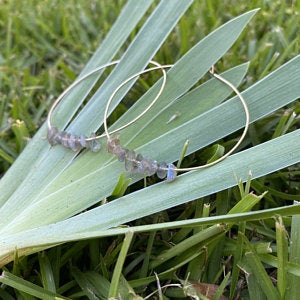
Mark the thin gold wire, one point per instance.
(157, 67)
(217, 76)
(162, 67)
(62, 95)
(242, 137)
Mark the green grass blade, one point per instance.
(222, 287)
(113, 290)
(27, 287)
(292, 268)
(205, 234)
(254, 289)
(6, 156)
(92, 284)
(282, 255)
(252, 265)
(238, 254)
(246, 203)
(293, 281)
(51, 234)
(47, 275)
(258, 270)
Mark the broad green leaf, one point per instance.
(50, 234)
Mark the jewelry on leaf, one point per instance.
(79, 142)
(136, 163)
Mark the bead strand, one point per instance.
(137, 164)
(72, 141)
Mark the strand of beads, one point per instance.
(137, 164)
(72, 141)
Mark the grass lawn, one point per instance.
(78, 227)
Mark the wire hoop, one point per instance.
(136, 163)
(75, 142)
(162, 67)
(246, 127)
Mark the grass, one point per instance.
(45, 44)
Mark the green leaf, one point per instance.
(282, 254)
(294, 280)
(113, 290)
(47, 275)
(48, 235)
(263, 279)
(222, 287)
(27, 287)
(252, 266)
(93, 285)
